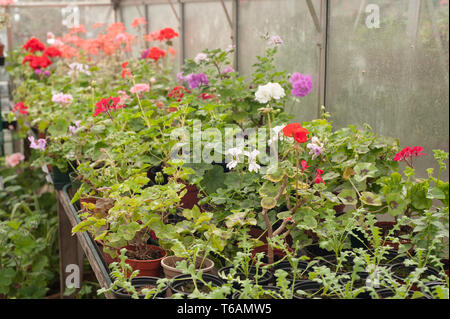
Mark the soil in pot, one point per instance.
(315, 251)
(169, 264)
(148, 263)
(400, 272)
(184, 284)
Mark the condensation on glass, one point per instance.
(393, 77)
(291, 20)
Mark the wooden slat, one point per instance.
(86, 243)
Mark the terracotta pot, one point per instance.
(107, 257)
(169, 266)
(151, 268)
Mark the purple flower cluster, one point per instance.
(39, 71)
(301, 84)
(145, 53)
(194, 80)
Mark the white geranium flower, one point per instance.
(201, 57)
(235, 152)
(263, 94)
(277, 91)
(252, 165)
(269, 91)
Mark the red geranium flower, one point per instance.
(52, 52)
(125, 70)
(319, 176)
(34, 45)
(37, 62)
(108, 104)
(406, 154)
(178, 92)
(295, 130)
(156, 53)
(206, 96)
(304, 165)
(166, 34)
(21, 108)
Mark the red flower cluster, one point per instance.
(166, 34)
(34, 45)
(295, 130)
(125, 70)
(108, 104)
(408, 153)
(21, 108)
(304, 165)
(178, 92)
(39, 61)
(156, 53)
(319, 176)
(52, 52)
(206, 96)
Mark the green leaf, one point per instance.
(268, 202)
(348, 197)
(59, 127)
(371, 199)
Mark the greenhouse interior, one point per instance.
(224, 149)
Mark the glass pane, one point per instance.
(161, 16)
(206, 27)
(394, 77)
(291, 20)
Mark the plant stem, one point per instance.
(140, 105)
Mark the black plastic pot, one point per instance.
(286, 266)
(176, 286)
(315, 251)
(264, 281)
(60, 179)
(311, 287)
(387, 293)
(396, 268)
(237, 295)
(331, 262)
(138, 282)
(363, 276)
(359, 240)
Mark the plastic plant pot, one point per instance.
(169, 265)
(140, 282)
(184, 284)
(264, 280)
(238, 295)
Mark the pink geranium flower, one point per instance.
(39, 144)
(14, 159)
(140, 88)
